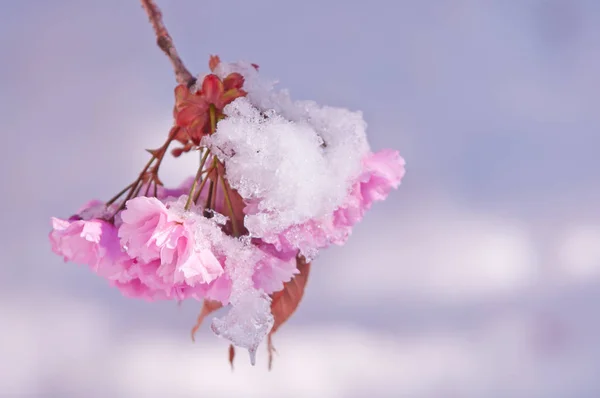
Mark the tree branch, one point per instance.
(165, 43)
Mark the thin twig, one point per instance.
(236, 233)
(117, 196)
(199, 191)
(198, 176)
(165, 43)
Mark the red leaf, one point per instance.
(231, 355)
(287, 300)
(255, 66)
(208, 306)
(213, 62)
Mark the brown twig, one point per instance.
(165, 42)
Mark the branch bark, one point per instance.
(165, 43)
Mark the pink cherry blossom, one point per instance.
(93, 243)
(136, 289)
(142, 281)
(274, 269)
(151, 231)
(277, 181)
(383, 171)
(217, 290)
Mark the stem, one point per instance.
(198, 176)
(136, 183)
(197, 196)
(163, 149)
(236, 233)
(214, 197)
(210, 194)
(135, 186)
(148, 187)
(189, 199)
(213, 125)
(117, 196)
(165, 43)
(137, 189)
(213, 118)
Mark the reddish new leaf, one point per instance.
(192, 109)
(231, 355)
(287, 300)
(208, 306)
(191, 114)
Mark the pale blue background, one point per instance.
(479, 278)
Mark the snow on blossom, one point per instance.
(287, 166)
(296, 160)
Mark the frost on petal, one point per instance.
(308, 237)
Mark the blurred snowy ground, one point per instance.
(480, 277)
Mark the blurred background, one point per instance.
(479, 277)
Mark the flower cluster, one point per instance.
(278, 181)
